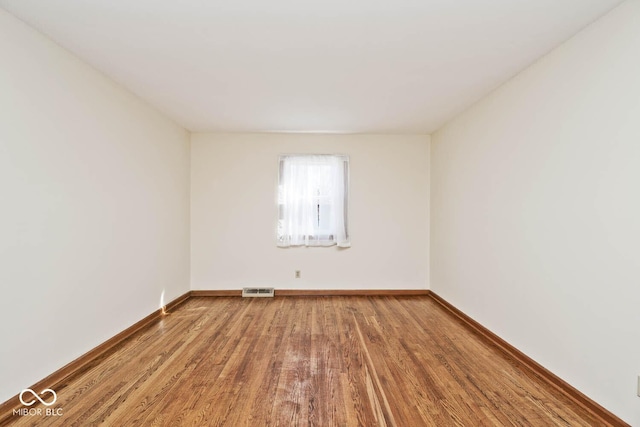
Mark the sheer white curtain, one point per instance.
(313, 196)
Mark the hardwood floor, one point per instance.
(321, 361)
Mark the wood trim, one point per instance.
(172, 305)
(217, 293)
(350, 292)
(83, 362)
(317, 292)
(532, 366)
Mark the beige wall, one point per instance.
(535, 217)
(233, 187)
(94, 208)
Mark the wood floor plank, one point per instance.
(314, 361)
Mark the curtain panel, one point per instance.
(313, 193)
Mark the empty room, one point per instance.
(330, 213)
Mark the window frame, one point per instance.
(326, 236)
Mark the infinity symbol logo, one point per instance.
(34, 394)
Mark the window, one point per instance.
(313, 195)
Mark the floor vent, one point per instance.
(257, 292)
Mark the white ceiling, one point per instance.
(375, 66)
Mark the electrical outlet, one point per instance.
(297, 274)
